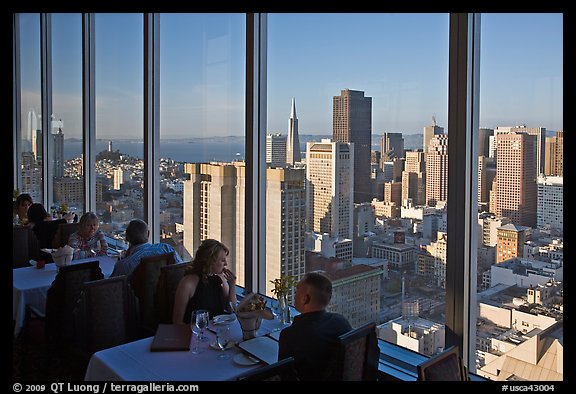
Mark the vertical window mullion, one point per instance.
(46, 99)
(89, 111)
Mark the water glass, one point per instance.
(201, 319)
(222, 339)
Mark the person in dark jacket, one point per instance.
(313, 336)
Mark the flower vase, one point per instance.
(249, 325)
(283, 309)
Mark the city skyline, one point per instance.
(407, 77)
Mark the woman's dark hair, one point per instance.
(37, 213)
(205, 256)
(23, 197)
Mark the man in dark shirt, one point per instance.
(313, 336)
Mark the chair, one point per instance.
(357, 355)
(63, 233)
(63, 295)
(144, 281)
(24, 246)
(282, 370)
(170, 276)
(445, 366)
(105, 315)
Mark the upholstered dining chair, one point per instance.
(444, 366)
(170, 276)
(63, 233)
(24, 246)
(144, 282)
(357, 355)
(282, 370)
(105, 315)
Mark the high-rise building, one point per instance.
(275, 150)
(352, 123)
(550, 208)
(285, 224)
(293, 144)
(58, 147)
(392, 146)
(515, 180)
(437, 170)
(554, 153)
(431, 131)
(213, 201)
(486, 174)
(539, 148)
(484, 135)
(414, 178)
(329, 188)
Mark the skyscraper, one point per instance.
(392, 146)
(437, 170)
(431, 131)
(293, 143)
(352, 123)
(329, 179)
(276, 150)
(515, 181)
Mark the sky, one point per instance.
(400, 60)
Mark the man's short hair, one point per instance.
(320, 286)
(137, 232)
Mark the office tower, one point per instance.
(293, 144)
(32, 125)
(510, 243)
(489, 224)
(213, 201)
(550, 207)
(275, 150)
(437, 170)
(539, 148)
(393, 193)
(329, 188)
(438, 250)
(484, 135)
(431, 131)
(414, 178)
(58, 147)
(37, 144)
(109, 146)
(285, 224)
(560, 153)
(515, 180)
(352, 123)
(71, 191)
(392, 146)
(486, 174)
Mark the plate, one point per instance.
(243, 359)
(224, 319)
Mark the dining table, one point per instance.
(30, 287)
(134, 361)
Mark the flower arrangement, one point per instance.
(252, 303)
(250, 312)
(283, 285)
(63, 209)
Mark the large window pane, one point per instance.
(520, 196)
(31, 121)
(202, 167)
(66, 134)
(372, 214)
(119, 120)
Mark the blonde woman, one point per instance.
(207, 284)
(88, 241)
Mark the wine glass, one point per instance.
(222, 339)
(201, 321)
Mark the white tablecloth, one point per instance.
(30, 287)
(135, 362)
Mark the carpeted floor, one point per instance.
(35, 360)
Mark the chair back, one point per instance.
(63, 233)
(24, 246)
(62, 297)
(444, 366)
(105, 314)
(282, 370)
(144, 281)
(170, 276)
(357, 354)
